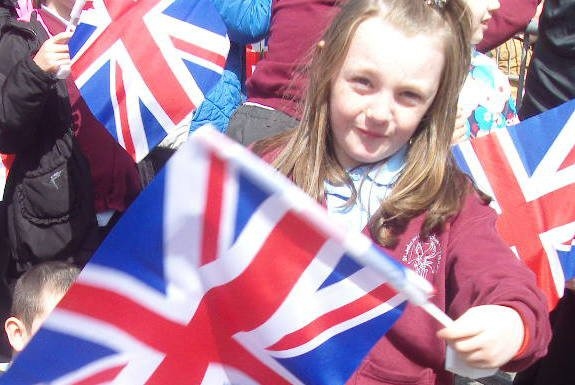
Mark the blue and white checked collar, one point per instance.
(372, 182)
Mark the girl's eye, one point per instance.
(361, 82)
(411, 96)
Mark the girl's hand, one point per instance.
(460, 132)
(486, 336)
(54, 53)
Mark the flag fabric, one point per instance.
(221, 272)
(5, 163)
(144, 66)
(529, 170)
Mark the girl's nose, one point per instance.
(378, 112)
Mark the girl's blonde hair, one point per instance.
(430, 181)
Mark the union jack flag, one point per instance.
(221, 272)
(529, 170)
(144, 66)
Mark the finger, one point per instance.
(477, 359)
(458, 135)
(56, 55)
(62, 37)
(59, 48)
(459, 330)
(471, 344)
(50, 49)
(51, 63)
(56, 61)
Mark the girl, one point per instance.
(374, 146)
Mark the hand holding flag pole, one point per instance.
(65, 70)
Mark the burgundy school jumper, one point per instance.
(296, 26)
(469, 265)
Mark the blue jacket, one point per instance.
(247, 21)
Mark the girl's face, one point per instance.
(379, 95)
(481, 11)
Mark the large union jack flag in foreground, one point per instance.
(529, 170)
(144, 66)
(221, 272)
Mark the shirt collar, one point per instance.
(384, 173)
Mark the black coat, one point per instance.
(35, 125)
(34, 106)
(551, 75)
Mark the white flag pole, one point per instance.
(65, 70)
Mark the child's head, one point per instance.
(392, 86)
(423, 49)
(481, 11)
(36, 293)
(386, 75)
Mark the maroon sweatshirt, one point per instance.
(296, 26)
(469, 265)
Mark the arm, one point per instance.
(247, 21)
(25, 85)
(220, 103)
(21, 93)
(501, 315)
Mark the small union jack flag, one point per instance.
(529, 170)
(144, 66)
(221, 272)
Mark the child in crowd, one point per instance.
(485, 102)
(115, 178)
(36, 294)
(246, 22)
(374, 145)
(513, 17)
(38, 111)
(278, 84)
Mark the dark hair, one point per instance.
(47, 277)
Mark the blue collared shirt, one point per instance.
(373, 182)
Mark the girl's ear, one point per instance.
(17, 333)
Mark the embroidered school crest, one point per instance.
(423, 255)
